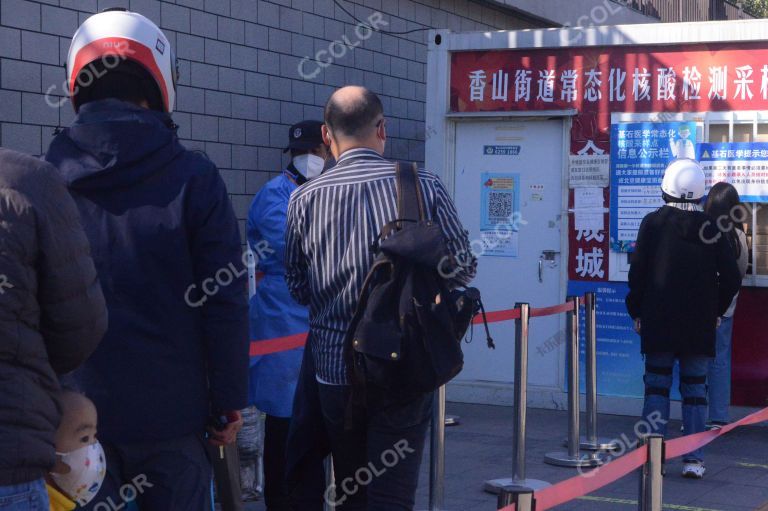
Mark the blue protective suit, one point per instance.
(273, 313)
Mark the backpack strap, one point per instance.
(410, 203)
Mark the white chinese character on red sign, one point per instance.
(691, 83)
(523, 85)
(546, 86)
(590, 263)
(500, 85)
(568, 79)
(590, 235)
(641, 85)
(743, 82)
(718, 79)
(592, 88)
(477, 85)
(665, 87)
(616, 82)
(764, 84)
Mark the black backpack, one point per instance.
(406, 333)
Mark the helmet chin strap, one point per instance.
(297, 176)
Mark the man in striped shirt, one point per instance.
(332, 224)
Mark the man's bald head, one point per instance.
(352, 112)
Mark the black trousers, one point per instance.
(167, 475)
(376, 464)
(276, 494)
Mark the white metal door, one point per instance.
(531, 152)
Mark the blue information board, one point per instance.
(620, 366)
(743, 164)
(640, 152)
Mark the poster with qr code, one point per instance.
(500, 213)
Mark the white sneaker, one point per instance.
(693, 469)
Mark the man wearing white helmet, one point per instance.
(682, 279)
(174, 360)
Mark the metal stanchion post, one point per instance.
(573, 458)
(520, 409)
(437, 453)
(522, 498)
(330, 480)
(591, 442)
(651, 474)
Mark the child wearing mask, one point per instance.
(80, 463)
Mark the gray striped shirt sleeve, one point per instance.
(296, 275)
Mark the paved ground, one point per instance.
(479, 449)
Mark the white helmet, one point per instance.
(684, 179)
(116, 35)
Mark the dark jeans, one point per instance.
(167, 475)
(693, 388)
(376, 464)
(276, 495)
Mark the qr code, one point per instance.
(499, 205)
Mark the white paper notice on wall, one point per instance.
(588, 198)
(588, 170)
(587, 220)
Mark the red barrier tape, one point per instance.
(581, 485)
(269, 346)
(496, 316)
(278, 344)
(551, 310)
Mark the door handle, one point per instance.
(541, 268)
(546, 255)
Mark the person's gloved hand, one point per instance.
(637, 325)
(226, 433)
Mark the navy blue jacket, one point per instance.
(162, 229)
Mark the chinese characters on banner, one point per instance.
(744, 165)
(598, 80)
(640, 152)
(690, 77)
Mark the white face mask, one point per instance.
(309, 165)
(88, 466)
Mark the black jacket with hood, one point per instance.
(166, 244)
(682, 278)
(52, 312)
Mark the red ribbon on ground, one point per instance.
(581, 485)
(290, 342)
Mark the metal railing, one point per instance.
(688, 10)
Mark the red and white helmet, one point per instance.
(116, 35)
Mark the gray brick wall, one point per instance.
(240, 86)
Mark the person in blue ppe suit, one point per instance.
(273, 312)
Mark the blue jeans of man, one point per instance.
(719, 377)
(693, 389)
(31, 496)
(376, 464)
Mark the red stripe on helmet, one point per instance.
(126, 49)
